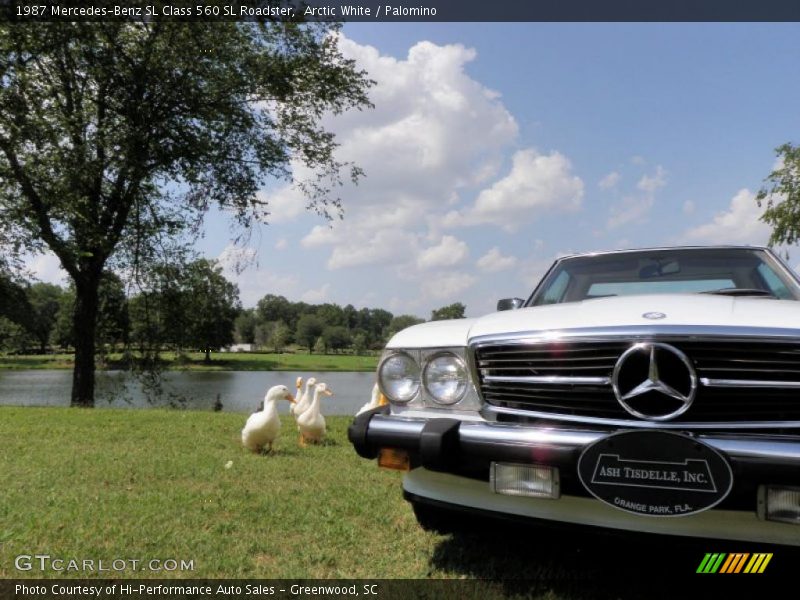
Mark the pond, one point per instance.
(239, 391)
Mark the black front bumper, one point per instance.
(468, 447)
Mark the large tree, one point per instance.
(115, 137)
(781, 194)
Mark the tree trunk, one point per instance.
(84, 325)
(208, 355)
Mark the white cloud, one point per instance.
(650, 184)
(285, 203)
(281, 244)
(434, 132)
(448, 286)
(610, 181)
(434, 140)
(46, 267)
(448, 252)
(318, 295)
(635, 207)
(235, 259)
(494, 260)
(739, 224)
(239, 265)
(632, 209)
(536, 183)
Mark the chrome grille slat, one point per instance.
(741, 380)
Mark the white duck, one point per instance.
(262, 427)
(298, 395)
(305, 400)
(378, 399)
(311, 423)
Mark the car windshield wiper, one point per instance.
(741, 292)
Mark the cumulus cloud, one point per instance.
(635, 207)
(739, 224)
(434, 144)
(448, 252)
(46, 267)
(318, 295)
(610, 181)
(434, 132)
(235, 259)
(494, 260)
(650, 184)
(536, 183)
(448, 286)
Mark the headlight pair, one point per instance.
(443, 375)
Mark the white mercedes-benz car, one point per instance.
(653, 390)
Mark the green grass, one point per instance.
(234, 361)
(144, 484)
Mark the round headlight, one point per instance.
(445, 378)
(399, 377)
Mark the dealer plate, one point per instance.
(655, 473)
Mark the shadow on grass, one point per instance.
(545, 562)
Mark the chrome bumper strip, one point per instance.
(405, 432)
(490, 410)
(554, 379)
(749, 383)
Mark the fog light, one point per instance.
(780, 504)
(524, 480)
(392, 458)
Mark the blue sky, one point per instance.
(493, 148)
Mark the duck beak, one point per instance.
(299, 383)
(290, 398)
(328, 393)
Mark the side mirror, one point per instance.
(510, 303)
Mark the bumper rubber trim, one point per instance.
(357, 432)
(439, 444)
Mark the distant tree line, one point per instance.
(190, 307)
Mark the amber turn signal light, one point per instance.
(392, 458)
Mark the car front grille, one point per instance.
(738, 380)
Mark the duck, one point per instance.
(305, 401)
(377, 400)
(262, 427)
(298, 384)
(311, 423)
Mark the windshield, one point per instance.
(725, 271)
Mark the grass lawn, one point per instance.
(234, 361)
(145, 484)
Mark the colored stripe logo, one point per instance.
(736, 562)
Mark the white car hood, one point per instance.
(619, 311)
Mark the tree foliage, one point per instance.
(451, 311)
(116, 137)
(185, 306)
(781, 194)
(336, 337)
(45, 302)
(400, 322)
(309, 329)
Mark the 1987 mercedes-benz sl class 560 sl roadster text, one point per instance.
(651, 390)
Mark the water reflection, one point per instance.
(238, 391)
